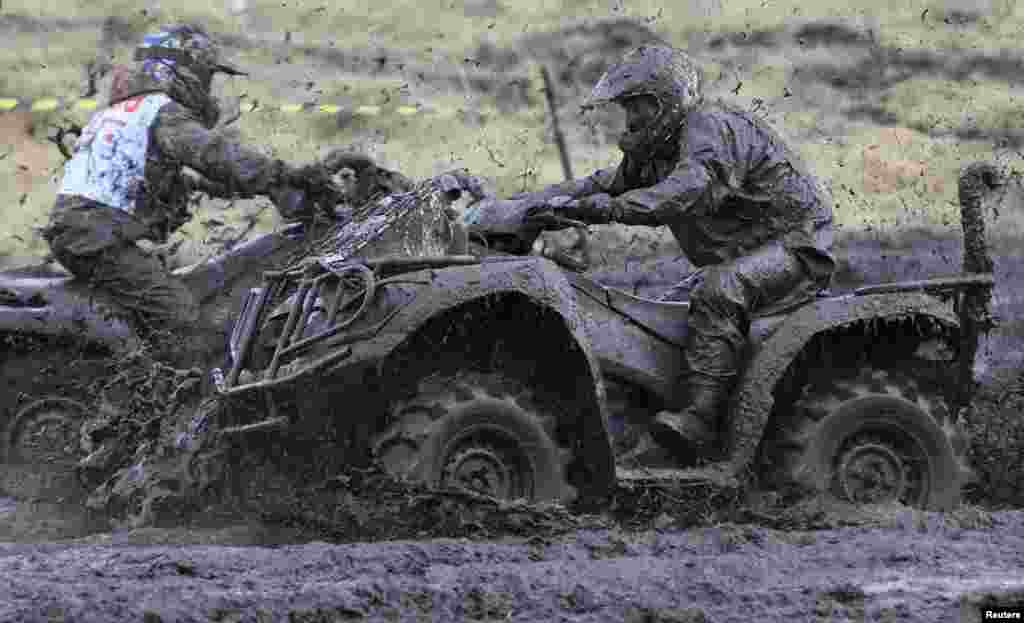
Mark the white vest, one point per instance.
(109, 164)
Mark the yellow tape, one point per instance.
(53, 103)
(45, 104)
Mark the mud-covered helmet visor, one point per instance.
(186, 59)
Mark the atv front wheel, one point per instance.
(874, 436)
(477, 431)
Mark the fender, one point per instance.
(61, 306)
(221, 271)
(754, 399)
(545, 284)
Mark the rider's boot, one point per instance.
(691, 434)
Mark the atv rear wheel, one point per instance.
(42, 447)
(45, 431)
(477, 431)
(873, 436)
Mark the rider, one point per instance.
(126, 183)
(737, 199)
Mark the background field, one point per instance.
(882, 98)
(886, 99)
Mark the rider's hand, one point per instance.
(291, 203)
(311, 177)
(594, 208)
(547, 209)
(322, 193)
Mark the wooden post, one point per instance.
(550, 95)
(583, 240)
(977, 183)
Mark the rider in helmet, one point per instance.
(737, 199)
(125, 181)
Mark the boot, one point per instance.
(691, 433)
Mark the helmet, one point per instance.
(182, 58)
(663, 72)
(185, 46)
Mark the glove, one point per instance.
(594, 209)
(544, 209)
(291, 203)
(309, 177)
(318, 185)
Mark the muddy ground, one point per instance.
(813, 563)
(917, 568)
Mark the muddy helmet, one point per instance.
(185, 46)
(182, 59)
(661, 71)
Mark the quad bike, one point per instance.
(59, 335)
(519, 378)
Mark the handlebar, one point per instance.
(552, 222)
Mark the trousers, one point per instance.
(724, 299)
(135, 280)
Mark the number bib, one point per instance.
(109, 163)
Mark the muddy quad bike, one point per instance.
(519, 378)
(58, 335)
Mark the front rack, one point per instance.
(327, 281)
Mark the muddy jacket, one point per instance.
(126, 181)
(725, 187)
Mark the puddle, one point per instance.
(950, 586)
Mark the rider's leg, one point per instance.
(719, 322)
(141, 283)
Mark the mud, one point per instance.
(655, 555)
(921, 568)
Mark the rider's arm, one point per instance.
(685, 187)
(238, 169)
(692, 182)
(600, 181)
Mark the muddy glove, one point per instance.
(593, 209)
(556, 212)
(370, 180)
(291, 203)
(315, 181)
(314, 177)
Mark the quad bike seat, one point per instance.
(669, 319)
(44, 301)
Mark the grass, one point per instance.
(452, 26)
(512, 148)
